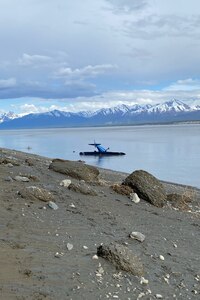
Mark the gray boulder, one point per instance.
(147, 187)
(75, 169)
(36, 193)
(122, 258)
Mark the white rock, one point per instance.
(21, 178)
(52, 205)
(161, 257)
(175, 246)
(134, 197)
(144, 281)
(65, 182)
(137, 236)
(72, 205)
(158, 296)
(85, 247)
(95, 257)
(69, 246)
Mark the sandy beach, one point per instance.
(51, 253)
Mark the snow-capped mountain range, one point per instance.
(170, 111)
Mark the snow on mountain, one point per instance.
(170, 106)
(7, 116)
(170, 111)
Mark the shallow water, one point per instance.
(170, 152)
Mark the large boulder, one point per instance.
(36, 193)
(75, 169)
(122, 258)
(147, 187)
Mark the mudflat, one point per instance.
(49, 242)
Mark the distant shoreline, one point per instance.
(107, 125)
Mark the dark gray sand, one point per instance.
(34, 257)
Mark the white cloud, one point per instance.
(33, 60)
(184, 85)
(84, 73)
(127, 6)
(7, 83)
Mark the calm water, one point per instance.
(169, 152)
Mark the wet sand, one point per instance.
(34, 257)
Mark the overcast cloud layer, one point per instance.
(84, 55)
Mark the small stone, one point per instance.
(69, 246)
(72, 205)
(85, 247)
(137, 236)
(21, 179)
(175, 246)
(8, 178)
(134, 198)
(144, 281)
(161, 257)
(58, 255)
(159, 296)
(65, 182)
(9, 165)
(95, 257)
(52, 205)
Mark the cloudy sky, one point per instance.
(85, 55)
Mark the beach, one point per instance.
(50, 252)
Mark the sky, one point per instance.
(85, 55)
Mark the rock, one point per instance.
(122, 189)
(8, 178)
(161, 257)
(30, 162)
(159, 296)
(137, 236)
(52, 205)
(179, 201)
(9, 165)
(95, 257)
(75, 169)
(122, 258)
(21, 178)
(58, 254)
(147, 187)
(134, 197)
(65, 182)
(144, 281)
(36, 193)
(82, 188)
(69, 246)
(9, 161)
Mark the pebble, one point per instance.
(85, 247)
(69, 246)
(65, 182)
(144, 281)
(137, 236)
(95, 257)
(8, 178)
(175, 246)
(161, 257)
(134, 198)
(9, 165)
(58, 255)
(21, 178)
(159, 296)
(72, 205)
(52, 205)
